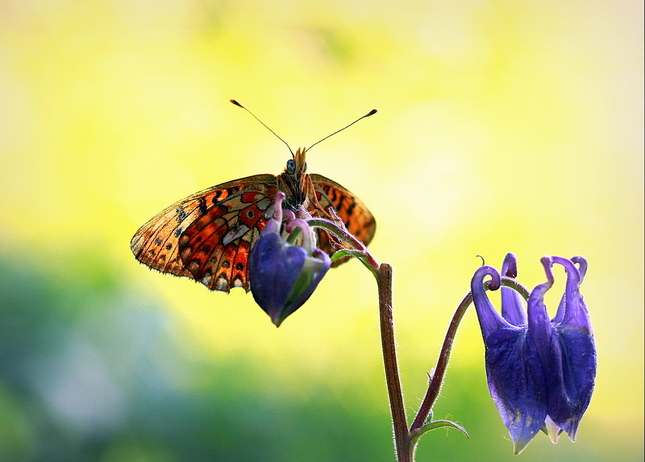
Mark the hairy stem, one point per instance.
(440, 371)
(397, 407)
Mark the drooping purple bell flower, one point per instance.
(284, 275)
(540, 372)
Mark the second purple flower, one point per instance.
(540, 372)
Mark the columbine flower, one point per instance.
(540, 372)
(283, 276)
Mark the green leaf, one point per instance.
(434, 425)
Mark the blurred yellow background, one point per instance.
(502, 126)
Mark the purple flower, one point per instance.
(540, 372)
(284, 275)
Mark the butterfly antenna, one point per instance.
(265, 125)
(372, 112)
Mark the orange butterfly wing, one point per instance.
(357, 218)
(208, 235)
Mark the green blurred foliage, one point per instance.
(502, 126)
(109, 380)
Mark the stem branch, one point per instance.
(437, 377)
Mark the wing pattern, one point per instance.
(208, 235)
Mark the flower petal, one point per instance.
(513, 369)
(516, 383)
(307, 283)
(512, 302)
(575, 365)
(540, 329)
(574, 310)
(551, 429)
(274, 268)
(489, 319)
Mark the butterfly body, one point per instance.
(208, 236)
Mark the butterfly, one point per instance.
(208, 235)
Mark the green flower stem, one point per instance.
(402, 437)
(344, 236)
(362, 257)
(436, 378)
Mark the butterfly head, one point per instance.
(294, 180)
(297, 165)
